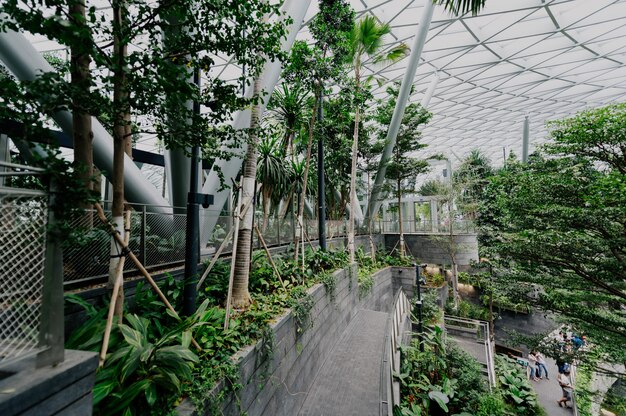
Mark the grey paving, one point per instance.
(472, 347)
(349, 381)
(549, 391)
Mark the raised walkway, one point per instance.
(349, 382)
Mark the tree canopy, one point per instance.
(559, 221)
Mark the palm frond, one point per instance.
(460, 7)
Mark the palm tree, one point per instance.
(459, 7)
(240, 294)
(366, 43)
(272, 173)
(286, 106)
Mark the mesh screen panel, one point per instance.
(23, 221)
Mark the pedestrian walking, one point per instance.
(541, 366)
(532, 361)
(566, 387)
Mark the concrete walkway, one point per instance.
(349, 382)
(470, 346)
(549, 391)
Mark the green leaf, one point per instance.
(186, 339)
(131, 336)
(441, 399)
(103, 389)
(151, 394)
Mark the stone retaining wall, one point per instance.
(63, 389)
(430, 248)
(277, 385)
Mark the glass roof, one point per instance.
(541, 58)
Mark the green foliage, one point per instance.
(460, 7)
(139, 370)
(330, 283)
(431, 313)
(443, 379)
(582, 388)
(157, 67)
(366, 284)
(465, 309)
(470, 382)
(301, 305)
(472, 176)
(425, 383)
(515, 387)
(558, 222)
(215, 286)
(129, 383)
(403, 164)
(491, 405)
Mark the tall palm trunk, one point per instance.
(306, 171)
(267, 195)
(81, 120)
(243, 257)
(401, 228)
(121, 139)
(455, 276)
(355, 147)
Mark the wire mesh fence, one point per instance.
(158, 239)
(155, 238)
(23, 226)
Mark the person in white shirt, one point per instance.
(566, 386)
(532, 361)
(541, 365)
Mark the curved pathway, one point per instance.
(349, 382)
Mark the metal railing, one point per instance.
(158, 234)
(483, 336)
(458, 227)
(31, 292)
(400, 313)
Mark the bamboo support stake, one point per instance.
(269, 256)
(119, 279)
(232, 262)
(221, 248)
(142, 269)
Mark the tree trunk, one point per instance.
(306, 172)
(355, 147)
(401, 228)
(266, 207)
(81, 119)
(121, 117)
(243, 257)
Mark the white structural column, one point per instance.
(398, 112)
(295, 9)
(430, 91)
(26, 64)
(525, 139)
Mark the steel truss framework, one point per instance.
(544, 59)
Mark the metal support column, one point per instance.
(4, 154)
(525, 140)
(51, 331)
(418, 282)
(398, 113)
(321, 189)
(192, 244)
